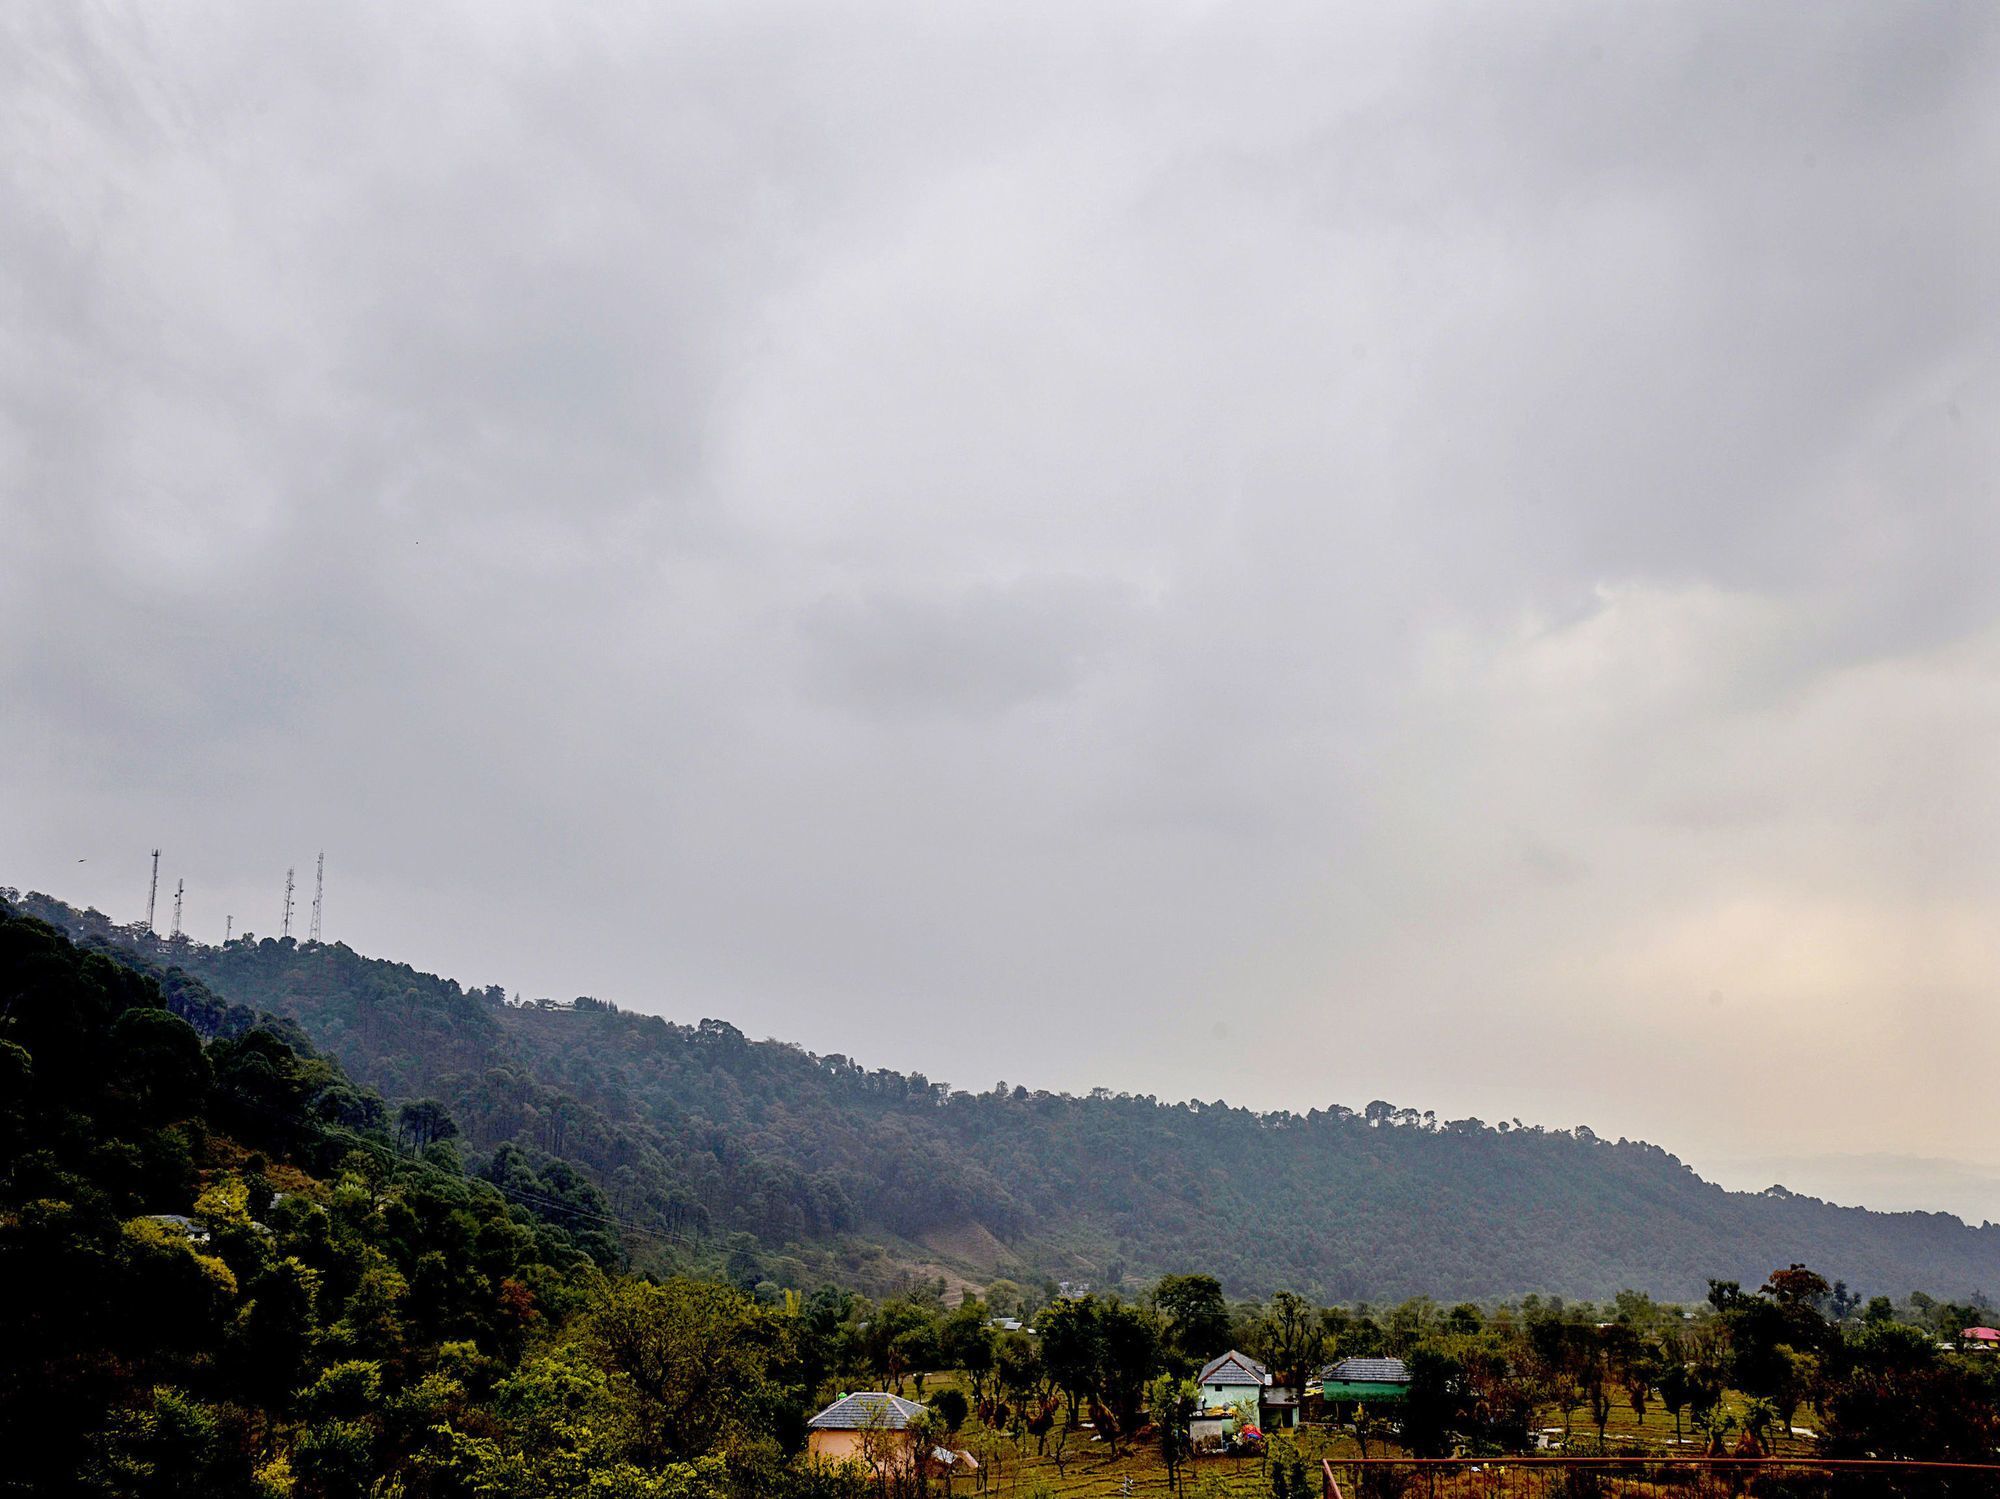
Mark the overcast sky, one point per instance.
(1295, 554)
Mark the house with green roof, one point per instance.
(1363, 1381)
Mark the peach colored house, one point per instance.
(869, 1420)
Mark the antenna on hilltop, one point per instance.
(287, 929)
(319, 893)
(228, 929)
(153, 891)
(179, 886)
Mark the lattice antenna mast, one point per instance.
(319, 893)
(179, 886)
(228, 929)
(287, 929)
(153, 891)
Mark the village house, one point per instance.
(869, 1426)
(1235, 1378)
(1362, 1381)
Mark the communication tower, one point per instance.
(153, 891)
(319, 893)
(287, 929)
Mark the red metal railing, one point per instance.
(1619, 1477)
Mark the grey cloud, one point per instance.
(977, 650)
(1458, 529)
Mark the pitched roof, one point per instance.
(1233, 1368)
(1368, 1371)
(194, 1228)
(866, 1410)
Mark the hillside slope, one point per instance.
(198, 1219)
(699, 1127)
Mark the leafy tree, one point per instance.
(1294, 1339)
(1171, 1402)
(693, 1357)
(1597, 1392)
(1714, 1423)
(1022, 1374)
(1129, 1353)
(424, 1122)
(1892, 1394)
(1072, 1347)
(1195, 1317)
(901, 1336)
(273, 1335)
(1760, 1422)
(157, 1065)
(1430, 1415)
(916, 1352)
(1288, 1475)
(951, 1408)
(966, 1342)
(1797, 1290)
(1676, 1393)
(1798, 1377)
(335, 1460)
(1639, 1377)
(1464, 1320)
(172, 1446)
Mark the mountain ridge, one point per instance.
(820, 1161)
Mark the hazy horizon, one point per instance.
(1292, 556)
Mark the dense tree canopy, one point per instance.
(218, 1286)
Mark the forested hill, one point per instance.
(215, 1257)
(696, 1127)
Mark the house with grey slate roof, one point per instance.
(1359, 1380)
(868, 1426)
(1231, 1378)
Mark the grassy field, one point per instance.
(1088, 1469)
